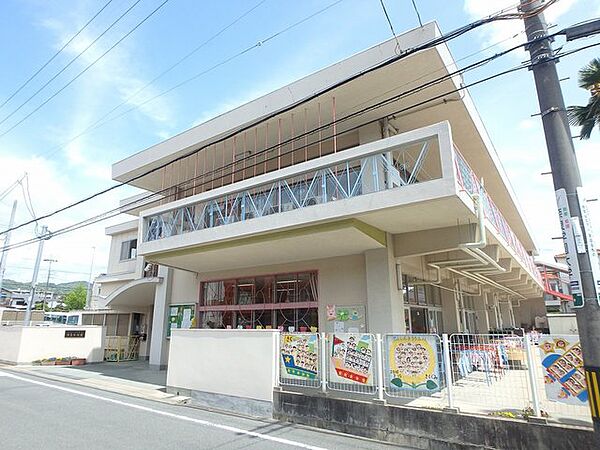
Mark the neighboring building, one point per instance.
(557, 293)
(369, 224)
(5, 296)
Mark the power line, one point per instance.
(97, 123)
(117, 211)
(414, 3)
(75, 58)
(58, 52)
(431, 43)
(387, 17)
(155, 10)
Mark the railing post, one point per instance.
(323, 352)
(448, 371)
(531, 377)
(379, 356)
(277, 338)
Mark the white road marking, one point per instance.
(167, 414)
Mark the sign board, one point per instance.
(413, 362)
(352, 359)
(180, 316)
(299, 356)
(564, 375)
(74, 333)
(568, 235)
(346, 319)
(591, 242)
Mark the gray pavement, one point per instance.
(38, 413)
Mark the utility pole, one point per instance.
(11, 222)
(36, 270)
(50, 261)
(577, 234)
(88, 298)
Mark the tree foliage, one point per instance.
(75, 299)
(588, 116)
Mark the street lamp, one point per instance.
(50, 261)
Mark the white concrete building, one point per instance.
(303, 211)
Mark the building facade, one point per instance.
(353, 199)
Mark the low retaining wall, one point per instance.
(228, 369)
(425, 429)
(23, 345)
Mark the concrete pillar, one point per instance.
(482, 320)
(450, 308)
(506, 314)
(159, 354)
(385, 311)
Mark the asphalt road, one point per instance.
(41, 414)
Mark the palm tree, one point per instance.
(588, 116)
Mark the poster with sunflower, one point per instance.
(562, 362)
(413, 362)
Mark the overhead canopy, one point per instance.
(135, 293)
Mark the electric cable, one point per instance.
(431, 43)
(58, 52)
(154, 80)
(119, 210)
(75, 58)
(89, 66)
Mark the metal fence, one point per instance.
(413, 365)
(488, 374)
(351, 362)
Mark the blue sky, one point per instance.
(32, 30)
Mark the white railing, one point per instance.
(404, 164)
(468, 181)
(488, 374)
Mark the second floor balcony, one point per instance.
(412, 181)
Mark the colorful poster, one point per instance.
(351, 358)
(564, 377)
(413, 363)
(299, 356)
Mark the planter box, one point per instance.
(66, 362)
(48, 363)
(78, 362)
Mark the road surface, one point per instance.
(39, 414)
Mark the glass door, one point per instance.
(418, 320)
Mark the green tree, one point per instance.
(588, 116)
(75, 299)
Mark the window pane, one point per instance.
(111, 324)
(245, 291)
(86, 319)
(123, 325)
(98, 319)
(286, 288)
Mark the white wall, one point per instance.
(239, 363)
(22, 345)
(115, 265)
(562, 324)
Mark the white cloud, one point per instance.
(509, 32)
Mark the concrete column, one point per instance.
(506, 315)
(385, 312)
(159, 354)
(481, 314)
(450, 308)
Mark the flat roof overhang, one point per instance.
(139, 292)
(345, 237)
(468, 131)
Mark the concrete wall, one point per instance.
(115, 265)
(425, 429)
(562, 324)
(22, 345)
(236, 363)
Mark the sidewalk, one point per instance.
(133, 378)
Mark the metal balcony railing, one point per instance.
(470, 183)
(406, 164)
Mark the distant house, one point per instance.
(5, 296)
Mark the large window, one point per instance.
(128, 249)
(286, 301)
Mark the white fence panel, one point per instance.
(351, 363)
(299, 359)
